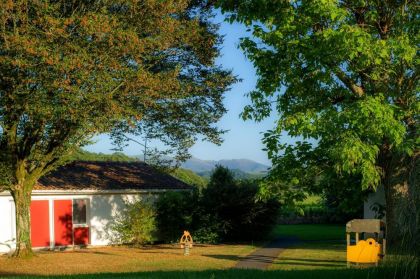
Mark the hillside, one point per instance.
(189, 177)
(83, 155)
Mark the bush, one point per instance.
(136, 224)
(238, 215)
(175, 214)
(227, 210)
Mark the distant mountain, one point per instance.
(198, 165)
(237, 174)
(241, 168)
(243, 165)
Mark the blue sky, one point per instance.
(243, 141)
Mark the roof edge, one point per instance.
(97, 192)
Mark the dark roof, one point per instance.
(109, 176)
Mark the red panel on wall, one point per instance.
(63, 223)
(81, 236)
(40, 224)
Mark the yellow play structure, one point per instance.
(370, 249)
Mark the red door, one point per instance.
(81, 236)
(40, 224)
(63, 222)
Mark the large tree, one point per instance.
(70, 70)
(344, 76)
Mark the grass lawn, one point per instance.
(125, 259)
(312, 255)
(239, 274)
(319, 247)
(320, 254)
(315, 232)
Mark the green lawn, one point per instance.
(319, 247)
(319, 253)
(242, 274)
(116, 259)
(313, 232)
(312, 255)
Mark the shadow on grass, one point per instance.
(235, 273)
(224, 257)
(249, 258)
(310, 265)
(92, 252)
(313, 261)
(320, 245)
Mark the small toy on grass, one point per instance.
(186, 242)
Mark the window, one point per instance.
(79, 212)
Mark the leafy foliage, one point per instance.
(344, 73)
(175, 212)
(343, 77)
(226, 210)
(136, 224)
(189, 177)
(83, 155)
(233, 207)
(72, 70)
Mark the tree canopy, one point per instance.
(70, 70)
(344, 77)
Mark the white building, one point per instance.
(374, 203)
(77, 204)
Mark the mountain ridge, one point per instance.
(244, 165)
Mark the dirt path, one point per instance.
(263, 257)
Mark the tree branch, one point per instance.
(349, 83)
(133, 140)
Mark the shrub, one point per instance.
(175, 212)
(227, 210)
(238, 215)
(136, 224)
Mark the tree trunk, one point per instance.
(391, 227)
(402, 199)
(22, 198)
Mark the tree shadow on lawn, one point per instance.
(91, 252)
(320, 245)
(174, 246)
(287, 262)
(225, 257)
(313, 260)
(249, 258)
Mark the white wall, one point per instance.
(7, 224)
(376, 197)
(102, 211)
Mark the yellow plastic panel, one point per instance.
(366, 251)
